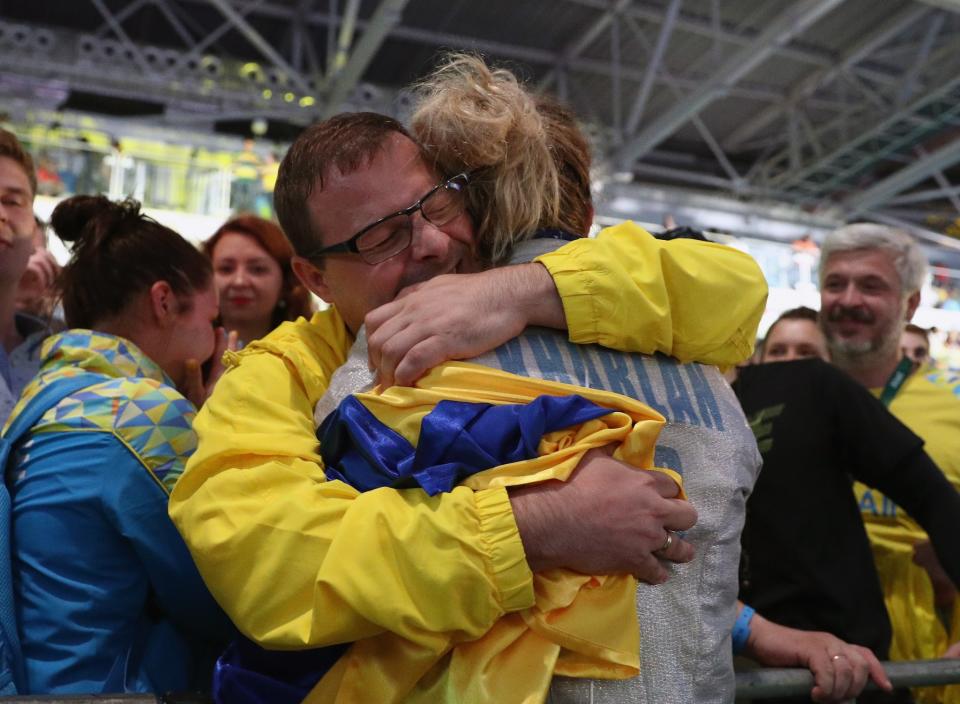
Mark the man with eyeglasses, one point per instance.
(393, 233)
(301, 562)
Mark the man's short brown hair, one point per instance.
(11, 148)
(346, 141)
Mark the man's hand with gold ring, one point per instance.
(668, 541)
(627, 517)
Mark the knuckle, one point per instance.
(651, 530)
(392, 349)
(374, 345)
(373, 319)
(407, 372)
(421, 355)
(646, 478)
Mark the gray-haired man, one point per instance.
(870, 279)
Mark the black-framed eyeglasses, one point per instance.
(393, 233)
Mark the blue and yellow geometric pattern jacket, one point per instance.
(108, 598)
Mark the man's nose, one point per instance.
(851, 296)
(429, 241)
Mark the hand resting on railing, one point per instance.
(840, 670)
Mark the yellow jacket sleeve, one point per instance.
(297, 561)
(626, 290)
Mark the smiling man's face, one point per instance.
(395, 178)
(863, 309)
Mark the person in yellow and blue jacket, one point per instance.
(107, 597)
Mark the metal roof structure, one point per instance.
(836, 108)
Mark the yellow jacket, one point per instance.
(928, 404)
(300, 562)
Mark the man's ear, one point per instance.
(913, 300)
(311, 276)
(163, 303)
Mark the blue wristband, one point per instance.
(741, 629)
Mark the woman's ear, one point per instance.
(163, 303)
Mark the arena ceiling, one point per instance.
(849, 107)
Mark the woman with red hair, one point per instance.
(251, 269)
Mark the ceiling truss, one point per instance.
(872, 124)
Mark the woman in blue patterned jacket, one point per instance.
(107, 597)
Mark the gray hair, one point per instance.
(908, 259)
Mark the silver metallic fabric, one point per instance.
(354, 377)
(684, 624)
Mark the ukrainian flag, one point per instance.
(466, 424)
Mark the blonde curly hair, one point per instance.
(471, 118)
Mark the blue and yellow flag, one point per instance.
(466, 424)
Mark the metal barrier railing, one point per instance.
(752, 685)
(767, 683)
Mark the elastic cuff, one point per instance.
(576, 288)
(508, 564)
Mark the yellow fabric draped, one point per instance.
(579, 626)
